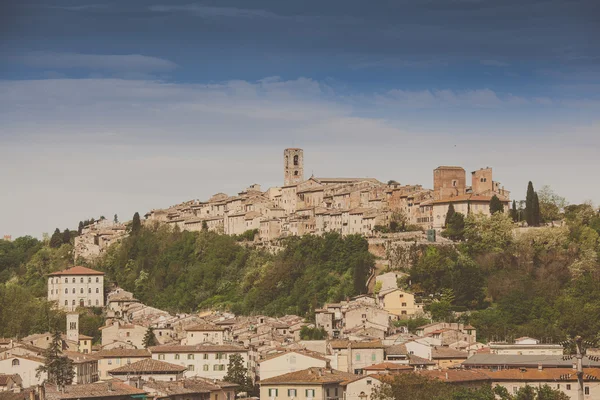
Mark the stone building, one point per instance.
(76, 287)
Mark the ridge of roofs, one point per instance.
(195, 348)
(76, 270)
(310, 376)
(148, 365)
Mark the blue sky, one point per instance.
(122, 106)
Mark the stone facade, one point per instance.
(76, 287)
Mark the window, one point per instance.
(568, 386)
(373, 357)
(364, 316)
(205, 367)
(89, 302)
(89, 290)
(109, 361)
(73, 280)
(291, 392)
(66, 291)
(205, 356)
(403, 312)
(73, 290)
(310, 393)
(73, 302)
(52, 291)
(97, 290)
(296, 160)
(272, 392)
(327, 392)
(97, 280)
(161, 356)
(81, 291)
(215, 367)
(403, 304)
(66, 302)
(190, 356)
(369, 382)
(295, 173)
(66, 280)
(587, 390)
(81, 280)
(177, 356)
(515, 389)
(358, 357)
(190, 367)
(90, 279)
(336, 392)
(97, 302)
(72, 325)
(16, 362)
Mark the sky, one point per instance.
(113, 107)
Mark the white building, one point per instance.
(205, 361)
(76, 287)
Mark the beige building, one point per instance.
(354, 356)
(190, 389)
(366, 316)
(399, 303)
(283, 363)
(361, 387)
(122, 332)
(149, 369)
(76, 287)
(311, 383)
(115, 358)
(526, 345)
(25, 366)
(206, 361)
(203, 333)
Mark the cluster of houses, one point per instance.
(318, 205)
(190, 354)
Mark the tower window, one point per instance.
(296, 160)
(295, 173)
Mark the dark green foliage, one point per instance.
(90, 322)
(238, 373)
(307, 333)
(514, 213)
(455, 229)
(56, 240)
(247, 236)
(530, 213)
(537, 217)
(136, 224)
(496, 205)
(66, 236)
(149, 338)
(204, 226)
(449, 215)
(116, 219)
(80, 228)
(412, 323)
(58, 367)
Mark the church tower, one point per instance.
(73, 327)
(293, 160)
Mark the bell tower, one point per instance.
(293, 164)
(73, 327)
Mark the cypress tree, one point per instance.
(56, 239)
(529, 216)
(80, 228)
(136, 224)
(496, 205)
(514, 213)
(537, 216)
(66, 236)
(449, 215)
(116, 219)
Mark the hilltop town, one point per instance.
(315, 205)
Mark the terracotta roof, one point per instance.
(113, 353)
(85, 337)
(4, 379)
(545, 374)
(526, 360)
(77, 270)
(359, 377)
(189, 386)
(148, 366)
(416, 360)
(446, 352)
(92, 390)
(455, 375)
(203, 327)
(396, 350)
(196, 349)
(389, 366)
(79, 358)
(310, 376)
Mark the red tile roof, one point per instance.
(148, 366)
(312, 375)
(389, 366)
(77, 270)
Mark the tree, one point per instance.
(514, 213)
(136, 224)
(116, 219)
(529, 205)
(66, 236)
(80, 228)
(307, 333)
(537, 216)
(149, 338)
(204, 226)
(449, 215)
(551, 204)
(496, 205)
(238, 374)
(57, 239)
(455, 228)
(58, 368)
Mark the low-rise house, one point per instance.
(149, 369)
(311, 383)
(123, 332)
(203, 333)
(389, 280)
(115, 358)
(283, 363)
(399, 303)
(354, 356)
(526, 345)
(206, 361)
(10, 382)
(113, 390)
(360, 387)
(425, 330)
(85, 366)
(366, 316)
(190, 389)
(26, 367)
(446, 357)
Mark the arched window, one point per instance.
(81, 280)
(97, 290)
(73, 280)
(66, 291)
(66, 280)
(295, 160)
(90, 279)
(51, 281)
(66, 302)
(73, 302)
(81, 290)
(96, 301)
(16, 362)
(89, 302)
(177, 356)
(89, 290)
(97, 280)
(73, 290)
(190, 356)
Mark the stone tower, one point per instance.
(73, 327)
(293, 163)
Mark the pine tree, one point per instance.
(136, 224)
(537, 216)
(66, 236)
(449, 215)
(237, 373)
(529, 217)
(59, 368)
(149, 338)
(80, 228)
(56, 240)
(496, 205)
(514, 213)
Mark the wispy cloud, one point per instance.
(215, 12)
(95, 62)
